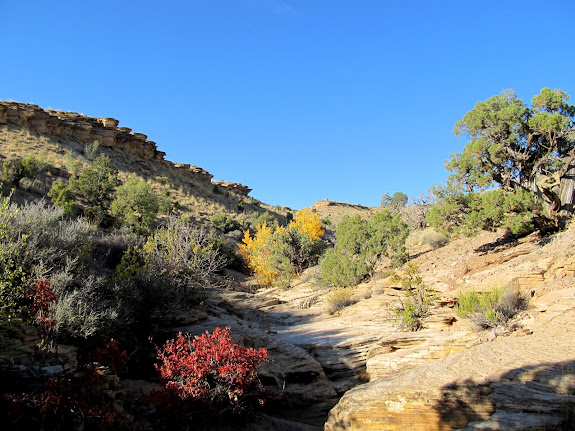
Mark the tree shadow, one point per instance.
(537, 397)
(502, 243)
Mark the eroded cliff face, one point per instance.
(104, 130)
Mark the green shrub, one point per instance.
(14, 170)
(241, 206)
(136, 205)
(50, 250)
(360, 243)
(226, 223)
(96, 185)
(338, 300)
(62, 197)
(90, 150)
(265, 217)
(490, 309)
(15, 283)
(343, 270)
(412, 310)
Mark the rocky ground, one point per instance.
(355, 370)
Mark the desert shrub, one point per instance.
(96, 184)
(49, 251)
(338, 299)
(15, 282)
(181, 257)
(211, 369)
(265, 217)
(276, 255)
(78, 401)
(90, 150)
(226, 223)
(490, 309)
(62, 197)
(136, 205)
(16, 169)
(254, 201)
(342, 269)
(241, 206)
(360, 243)
(89, 310)
(434, 239)
(468, 213)
(415, 307)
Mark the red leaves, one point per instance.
(208, 366)
(112, 355)
(43, 299)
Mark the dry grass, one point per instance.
(339, 299)
(196, 197)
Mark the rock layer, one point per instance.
(104, 130)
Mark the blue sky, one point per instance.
(299, 100)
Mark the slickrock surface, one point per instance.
(513, 383)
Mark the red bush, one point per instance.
(43, 298)
(112, 355)
(210, 368)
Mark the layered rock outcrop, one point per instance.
(236, 188)
(104, 130)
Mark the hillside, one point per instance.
(52, 136)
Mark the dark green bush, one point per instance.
(360, 243)
(62, 197)
(136, 205)
(16, 169)
(265, 217)
(96, 185)
(226, 223)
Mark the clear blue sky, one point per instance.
(301, 100)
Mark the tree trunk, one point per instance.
(567, 193)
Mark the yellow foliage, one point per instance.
(308, 223)
(258, 252)
(265, 251)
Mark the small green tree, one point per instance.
(96, 185)
(14, 170)
(360, 243)
(62, 197)
(136, 205)
(90, 150)
(416, 306)
(395, 202)
(225, 223)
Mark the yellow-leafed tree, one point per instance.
(308, 223)
(274, 257)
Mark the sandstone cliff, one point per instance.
(104, 130)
